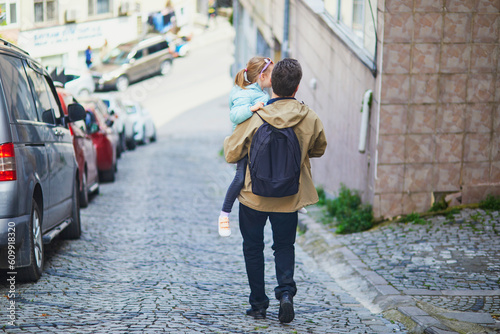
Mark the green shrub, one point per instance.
(490, 203)
(413, 218)
(439, 206)
(321, 195)
(350, 214)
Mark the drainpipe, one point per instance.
(284, 47)
(365, 118)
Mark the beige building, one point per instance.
(432, 65)
(58, 31)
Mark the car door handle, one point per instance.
(58, 132)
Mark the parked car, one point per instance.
(133, 61)
(85, 152)
(105, 140)
(79, 82)
(117, 123)
(117, 109)
(144, 125)
(38, 170)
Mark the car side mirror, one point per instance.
(76, 112)
(109, 122)
(111, 112)
(48, 116)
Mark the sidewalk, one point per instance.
(439, 277)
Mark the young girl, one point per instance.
(246, 97)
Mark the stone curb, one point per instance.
(376, 294)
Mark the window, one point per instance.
(157, 47)
(45, 10)
(99, 6)
(44, 99)
(17, 91)
(8, 12)
(357, 18)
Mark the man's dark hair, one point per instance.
(286, 77)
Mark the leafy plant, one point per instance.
(413, 217)
(321, 195)
(439, 206)
(352, 216)
(490, 203)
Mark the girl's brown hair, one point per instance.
(254, 66)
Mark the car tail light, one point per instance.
(7, 162)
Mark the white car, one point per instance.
(144, 126)
(79, 82)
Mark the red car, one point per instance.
(86, 155)
(104, 137)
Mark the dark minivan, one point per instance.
(38, 170)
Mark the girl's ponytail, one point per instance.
(239, 79)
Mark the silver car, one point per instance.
(133, 61)
(39, 197)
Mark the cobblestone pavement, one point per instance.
(447, 266)
(150, 259)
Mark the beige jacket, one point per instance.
(310, 133)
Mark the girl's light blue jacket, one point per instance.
(240, 101)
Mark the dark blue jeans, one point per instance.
(284, 226)
(235, 187)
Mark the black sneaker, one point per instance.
(286, 313)
(257, 313)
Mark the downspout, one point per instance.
(286, 30)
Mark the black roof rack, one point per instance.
(9, 44)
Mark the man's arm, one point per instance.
(319, 144)
(236, 146)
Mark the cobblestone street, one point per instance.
(150, 258)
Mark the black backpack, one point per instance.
(274, 161)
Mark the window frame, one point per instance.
(45, 18)
(8, 13)
(364, 46)
(95, 6)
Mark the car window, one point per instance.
(17, 92)
(130, 109)
(138, 54)
(71, 77)
(157, 47)
(116, 56)
(44, 99)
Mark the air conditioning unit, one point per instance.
(124, 8)
(71, 15)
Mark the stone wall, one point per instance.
(439, 113)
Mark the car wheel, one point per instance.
(131, 144)
(123, 145)
(122, 83)
(153, 137)
(84, 194)
(166, 67)
(107, 175)
(74, 230)
(34, 271)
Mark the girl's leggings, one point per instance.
(235, 187)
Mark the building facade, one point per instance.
(57, 32)
(432, 67)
